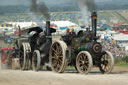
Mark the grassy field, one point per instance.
(117, 65)
(107, 16)
(122, 65)
(72, 16)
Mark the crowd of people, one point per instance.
(114, 48)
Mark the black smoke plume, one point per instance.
(40, 8)
(33, 5)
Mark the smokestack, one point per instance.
(48, 28)
(48, 31)
(44, 48)
(94, 23)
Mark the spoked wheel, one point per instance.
(84, 62)
(22, 57)
(58, 57)
(28, 56)
(36, 60)
(106, 62)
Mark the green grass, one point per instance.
(119, 17)
(122, 65)
(3, 45)
(106, 15)
(70, 67)
(112, 14)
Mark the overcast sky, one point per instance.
(26, 2)
(60, 2)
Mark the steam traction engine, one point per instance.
(41, 52)
(82, 51)
(34, 52)
(26, 45)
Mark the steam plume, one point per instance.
(87, 6)
(90, 4)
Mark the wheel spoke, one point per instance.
(54, 50)
(57, 47)
(54, 63)
(53, 57)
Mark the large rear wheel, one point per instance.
(28, 57)
(58, 56)
(22, 57)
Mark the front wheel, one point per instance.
(84, 62)
(36, 60)
(106, 62)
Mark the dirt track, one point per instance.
(17, 77)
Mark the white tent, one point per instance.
(63, 23)
(22, 24)
(120, 37)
